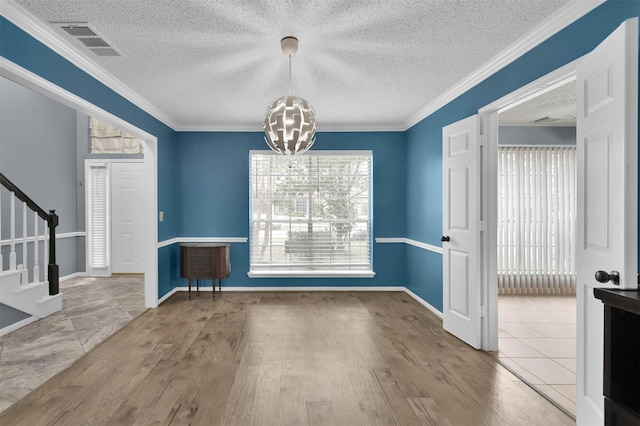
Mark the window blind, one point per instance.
(106, 139)
(310, 212)
(98, 216)
(536, 220)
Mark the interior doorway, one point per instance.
(40, 85)
(536, 243)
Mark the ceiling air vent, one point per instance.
(547, 120)
(88, 37)
(559, 120)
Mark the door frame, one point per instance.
(26, 78)
(108, 163)
(488, 116)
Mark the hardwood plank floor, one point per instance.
(285, 358)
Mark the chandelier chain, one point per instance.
(290, 93)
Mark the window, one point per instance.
(310, 214)
(106, 139)
(97, 190)
(536, 220)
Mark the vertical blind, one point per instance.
(536, 220)
(310, 212)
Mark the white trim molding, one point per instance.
(60, 236)
(74, 275)
(424, 303)
(171, 293)
(564, 17)
(417, 298)
(180, 240)
(410, 242)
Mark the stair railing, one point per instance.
(52, 272)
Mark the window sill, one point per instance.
(311, 274)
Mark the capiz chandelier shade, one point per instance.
(290, 123)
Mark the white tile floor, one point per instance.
(537, 341)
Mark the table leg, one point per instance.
(213, 288)
(198, 287)
(189, 288)
(219, 285)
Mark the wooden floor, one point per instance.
(288, 358)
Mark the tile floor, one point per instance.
(92, 310)
(537, 341)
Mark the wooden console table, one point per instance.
(205, 261)
(621, 383)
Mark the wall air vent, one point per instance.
(86, 36)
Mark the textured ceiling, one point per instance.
(369, 63)
(554, 108)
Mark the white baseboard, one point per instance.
(423, 302)
(16, 325)
(261, 289)
(74, 275)
(168, 295)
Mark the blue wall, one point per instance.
(424, 140)
(213, 195)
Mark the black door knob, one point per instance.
(445, 238)
(604, 277)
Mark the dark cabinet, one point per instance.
(621, 383)
(205, 261)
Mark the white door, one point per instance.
(607, 136)
(461, 230)
(127, 217)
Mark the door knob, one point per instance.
(445, 238)
(604, 277)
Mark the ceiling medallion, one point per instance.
(290, 124)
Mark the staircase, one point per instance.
(24, 286)
(31, 298)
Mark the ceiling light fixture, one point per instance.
(290, 124)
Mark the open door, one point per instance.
(607, 156)
(461, 230)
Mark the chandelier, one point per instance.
(290, 124)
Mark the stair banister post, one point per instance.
(54, 286)
(36, 249)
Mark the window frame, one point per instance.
(317, 273)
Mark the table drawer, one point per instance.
(201, 271)
(199, 251)
(201, 260)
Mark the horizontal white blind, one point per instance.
(310, 212)
(536, 220)
(98, 216)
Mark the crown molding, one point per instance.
(567, 15)
(50, 38)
